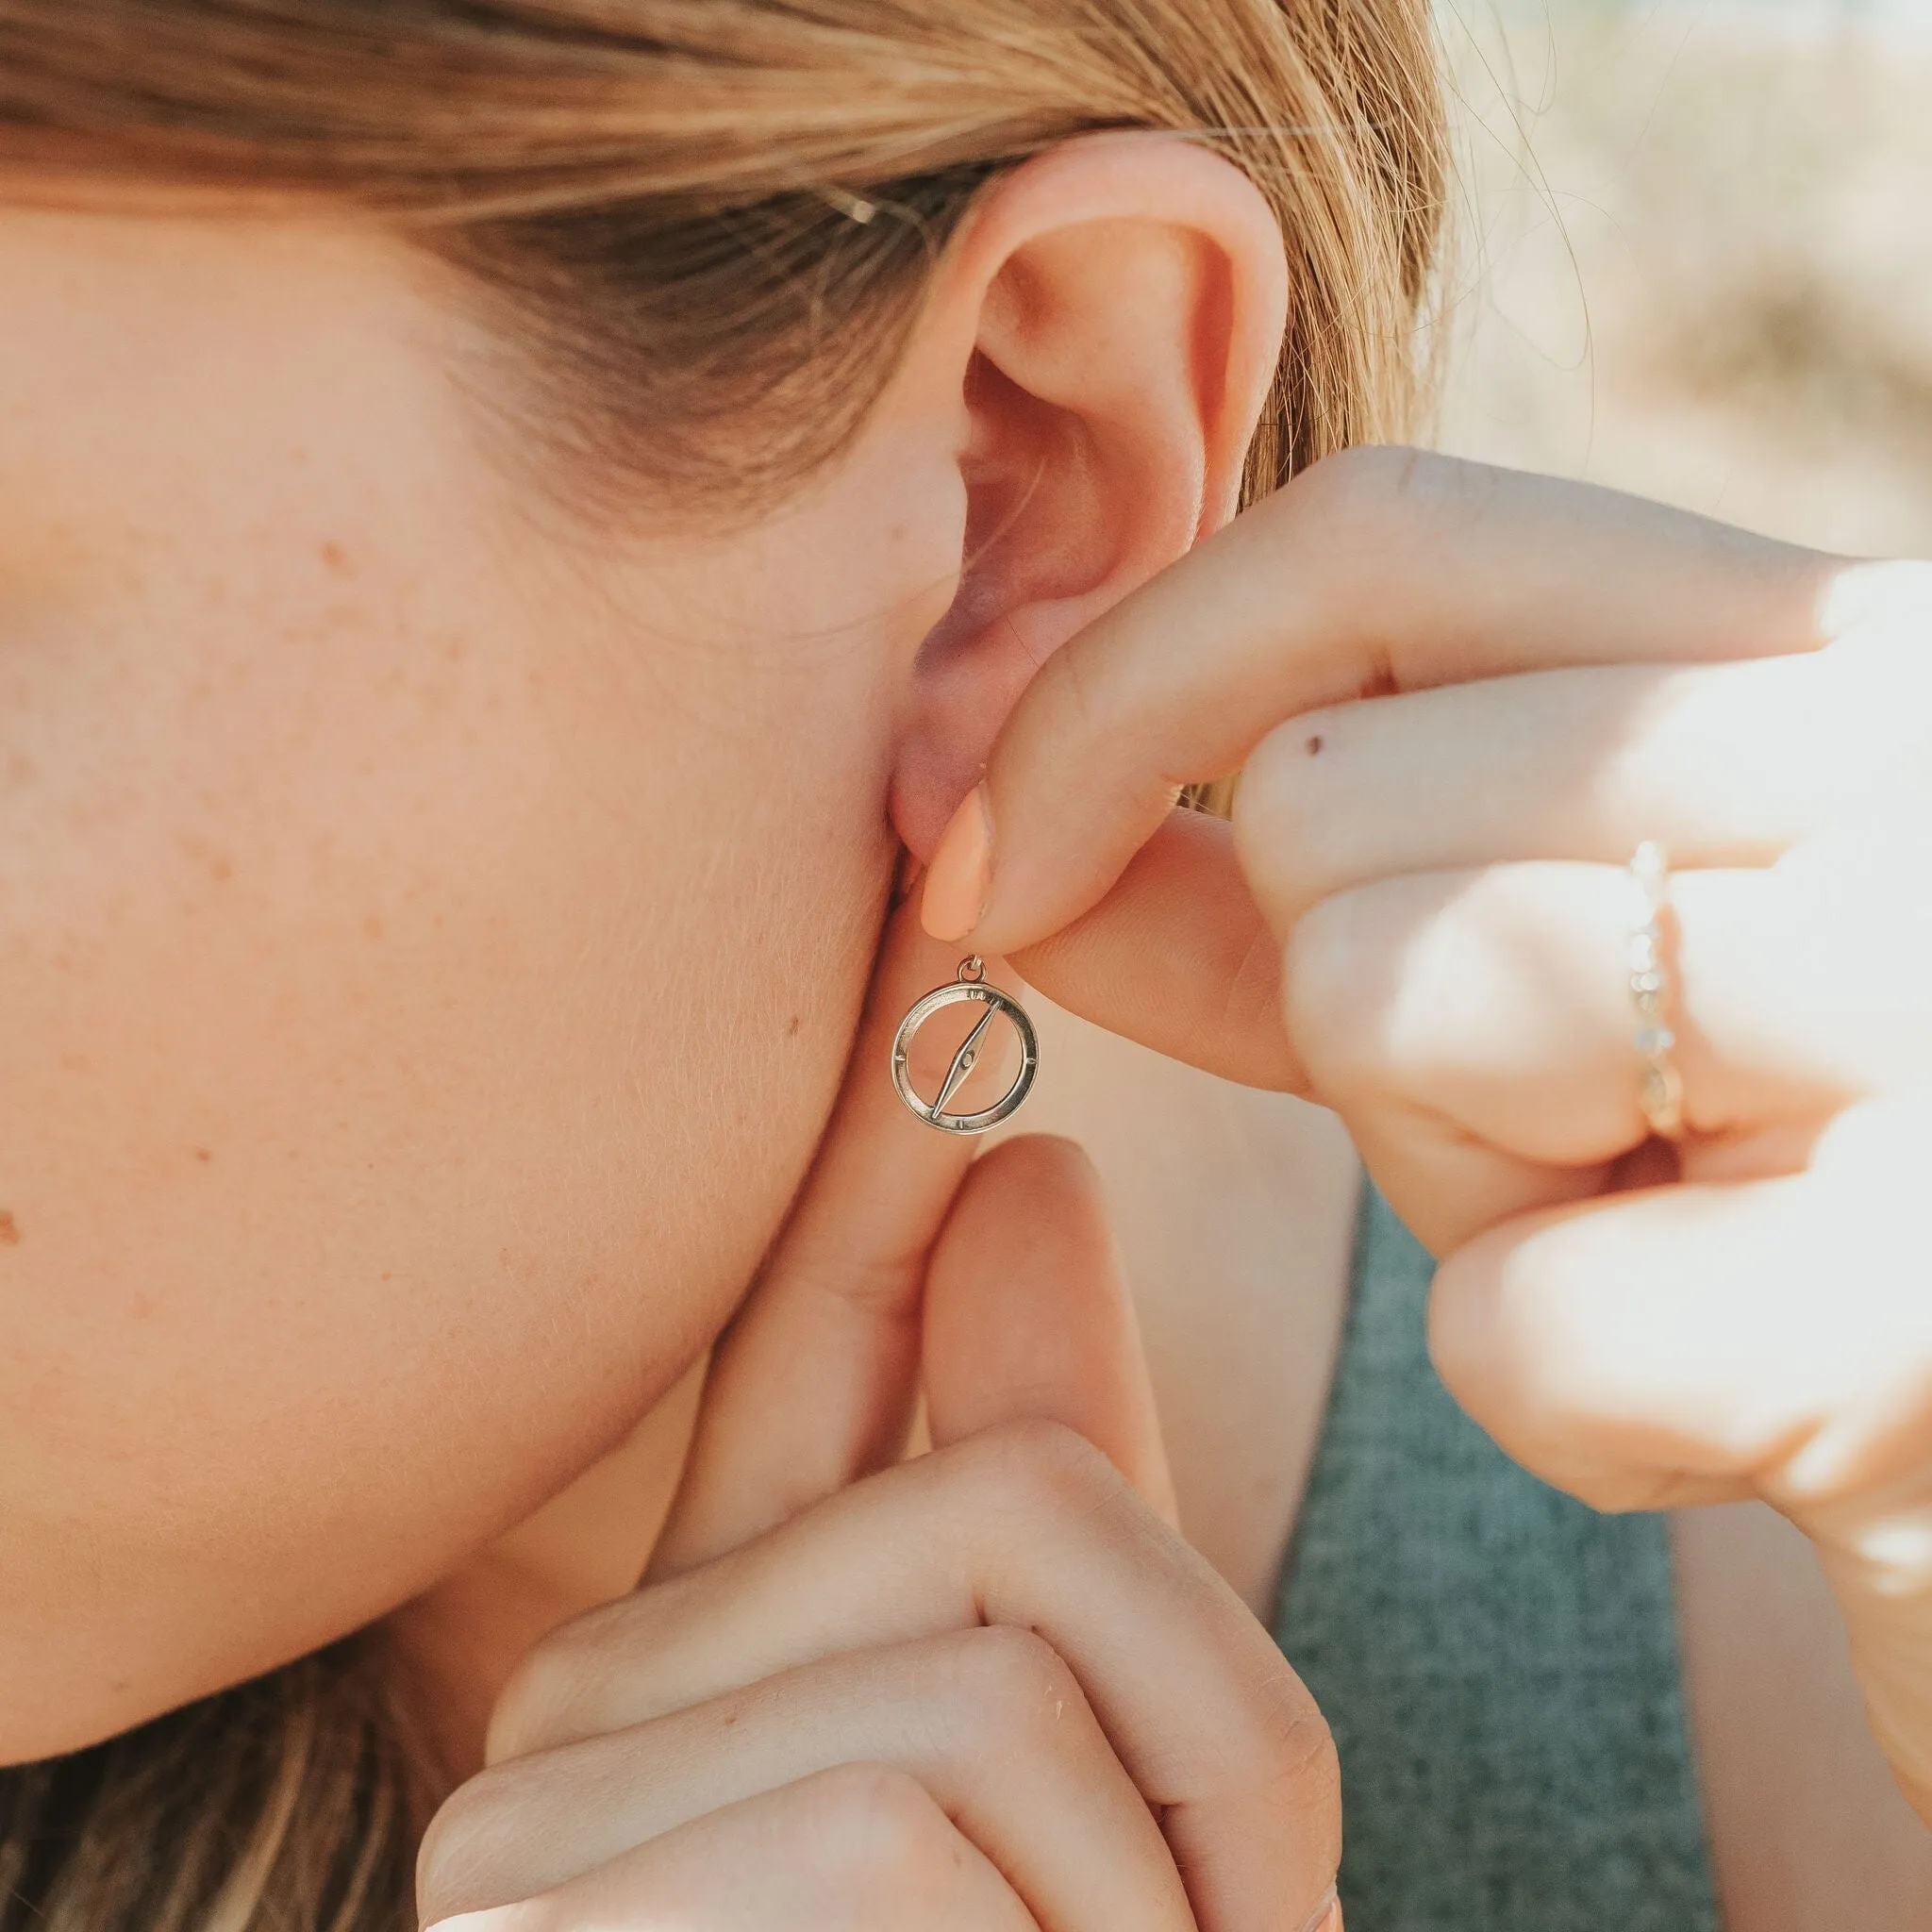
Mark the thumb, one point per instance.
(814, 1383)
(1028, 1316)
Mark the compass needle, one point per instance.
(963, 1061)
(967, 985)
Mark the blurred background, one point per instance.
(1696, 256)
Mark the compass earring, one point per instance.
(970, 986)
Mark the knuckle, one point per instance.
(1345, 476)
(534, 1706)
(1505, 1365)
(1294, 1747)
(439, 1857)
(1039, 1468)
(582, 1679)
(874, 1830)
(1335, 999)
(457, 1858)
(1008, 1684)
(541, 1705)
(1362, 485)
(1373, 519)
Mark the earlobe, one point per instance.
(1108, 323)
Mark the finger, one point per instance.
(856, 1848)
(1374, 570)
(1767, 1336)
(1028, 1314)
(1476, 1029)
(1178, 958)
(1701, 1343)
(991, 1721)
(1029, 1526)
(815, 1380)
(1726, 766)
(1722, 765)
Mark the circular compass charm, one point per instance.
(968, 987)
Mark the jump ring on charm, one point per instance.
(1660, 1092)
(971, 985)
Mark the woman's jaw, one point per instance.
(435, 927)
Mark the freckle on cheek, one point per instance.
(9, 1228)
(794, 1026)
(1315, 745)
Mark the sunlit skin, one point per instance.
(417, 924)
(434, 928)
(1462, 699)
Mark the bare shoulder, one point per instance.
(1235, 1210)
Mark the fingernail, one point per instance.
(959, 880)
(1327, 1915)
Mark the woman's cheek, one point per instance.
(410, 1049)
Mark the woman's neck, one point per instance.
(458, 1644)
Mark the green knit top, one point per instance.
(1498, 1662)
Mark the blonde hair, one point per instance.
(697, 232)
(291, 1803)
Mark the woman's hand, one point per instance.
(1462, 698)
(989, 1690)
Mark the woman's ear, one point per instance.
(1104, 333)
